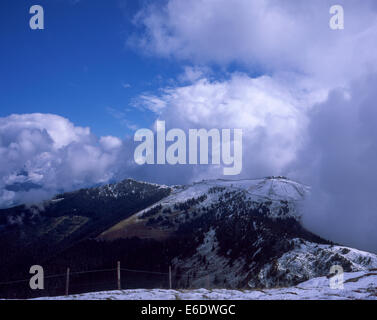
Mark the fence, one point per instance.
(102, 280)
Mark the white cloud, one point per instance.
(192, 74)
(42, 154)
(60, 131)
(269, 35)
(110, 143)
(272, 115)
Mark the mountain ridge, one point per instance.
(228, 233)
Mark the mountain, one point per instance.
(218, 233)
(271, 197)
(30, 234)
(240, 233)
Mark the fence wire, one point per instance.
(77, 282)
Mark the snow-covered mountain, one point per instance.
(214, 233)
(272, 197)
(244, 233)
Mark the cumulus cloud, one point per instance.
(42, 154)
(267, 35)
(270, 113)
(109, 143)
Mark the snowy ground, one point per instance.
(357, 285)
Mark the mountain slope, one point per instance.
(273, 197)
(217, 233)
(240, 233)
(31, 234)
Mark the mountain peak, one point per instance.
(270, 188)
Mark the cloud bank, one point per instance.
(266, 35)
(339, 162)
(42, 154)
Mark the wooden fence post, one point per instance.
(170, 284)
(67, 283)
(118, 268)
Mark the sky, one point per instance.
(79, 66)
(73, 94)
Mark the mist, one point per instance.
(338, 161)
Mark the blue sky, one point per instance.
(79, 66)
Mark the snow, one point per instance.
(257, 189)
(309, 260)
(307, 251)
(57, 200)
(357, 285)
(275, 189)
(271, 190)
